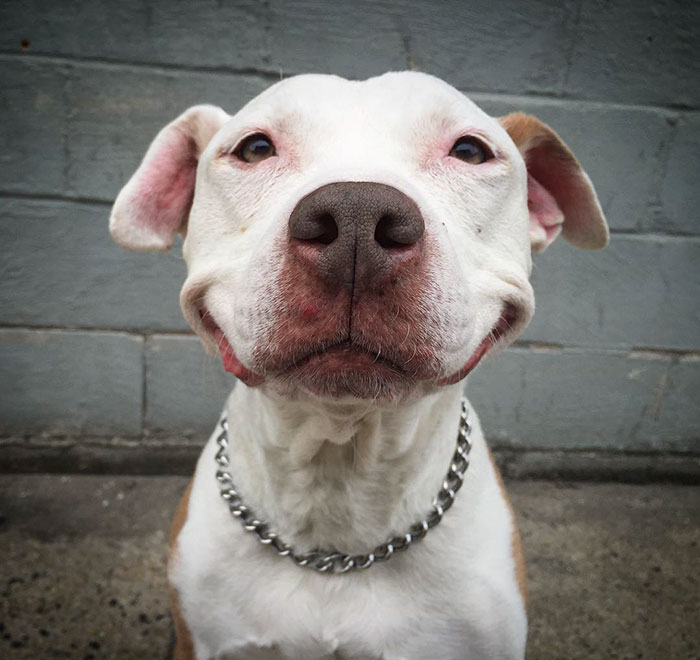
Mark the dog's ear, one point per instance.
(155, 204)
(560, 196)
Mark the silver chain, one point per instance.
(326, 561)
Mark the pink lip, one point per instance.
(234, 366)
(506, 321)
(344, 356)
(231, 363)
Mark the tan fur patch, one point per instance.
(516, 546)
(552, 164)
(528, 133)
(184, 648)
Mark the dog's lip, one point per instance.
(352, 349)
(504, 323)
(358, 356)
(339, 348)
(228, 356)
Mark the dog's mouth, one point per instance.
(343, 355)
(332, 369)
(228, 356)
(347, 367)
(507, 321)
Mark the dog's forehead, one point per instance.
(399, 100)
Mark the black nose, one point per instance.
(356, 231)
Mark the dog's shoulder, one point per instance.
(184, 648)
(516, 546)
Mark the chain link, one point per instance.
(325, 561)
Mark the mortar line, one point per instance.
(65, 131)
(572, 26)
(137, 65)
(54, 197)
(88, 329)
(164, 441)
(521, 344)
(144, 381)
(274, 76)
(95, 201)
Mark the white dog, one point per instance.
(354, 249)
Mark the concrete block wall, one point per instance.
(98, 369)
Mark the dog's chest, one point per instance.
(453, 591)
(255, 610)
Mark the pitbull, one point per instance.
(354, 250)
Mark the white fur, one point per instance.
(385, 130)
(451, 596)
(350, 473)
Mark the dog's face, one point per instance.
(357, 239)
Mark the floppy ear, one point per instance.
(560, 196)
(155, 204)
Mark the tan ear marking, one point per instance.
(552, 166)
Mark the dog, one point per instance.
(354, 249)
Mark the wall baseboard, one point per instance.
(163, 456)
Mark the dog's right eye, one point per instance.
(255, 148)
(471, 150)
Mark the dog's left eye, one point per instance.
(255, 148)
(471, 150)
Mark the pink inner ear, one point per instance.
(166, 187)
(546, 218)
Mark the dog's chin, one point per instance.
(345, 371)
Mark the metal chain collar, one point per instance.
(326, 561)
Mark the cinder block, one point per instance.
(116, 113)
(185, 387)
(583, 399)
(351, 39)
(32, 130)
(76, 383)
(61, 268)
(620, 148)
(640, 291)
(675, 410)
(680, 192)
(221, 34)
(637, 52)
(501, 46)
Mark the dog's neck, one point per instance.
(340, 476)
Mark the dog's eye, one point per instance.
(255, 148)
(471, 150)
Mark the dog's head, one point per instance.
(357, 239)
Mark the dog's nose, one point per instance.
(356, 231)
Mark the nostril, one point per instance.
(318, 228)
(393, 233)
(328, 229)
(384, 233)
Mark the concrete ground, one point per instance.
(613, 569)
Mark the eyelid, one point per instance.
(484, 139)
(246, 142)
(229, 147)
(483, 149)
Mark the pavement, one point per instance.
(612, 568)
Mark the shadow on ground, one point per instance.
(613, 569)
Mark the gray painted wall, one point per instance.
(94, 353)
